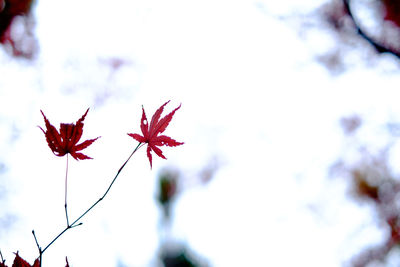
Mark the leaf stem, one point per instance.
(39, 248)
(75, 223)
(1, 257)
(66, 191)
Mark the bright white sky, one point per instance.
(252, 95)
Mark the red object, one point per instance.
(151, 132)
(66, 140)
(19, 262)
(392, 11)
(9, 9)
(22, 43)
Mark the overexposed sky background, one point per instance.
(252, 96)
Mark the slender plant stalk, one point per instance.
(39, 248)
(76, 222)
(66, 191)
(1, 257)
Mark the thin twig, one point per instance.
(1, 257)
(39, 248)
(66, 191)
(75, 223)
(36, 241)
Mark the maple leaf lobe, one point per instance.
(20, 262)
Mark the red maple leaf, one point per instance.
(66, 140)
(20, 262)
(151, 132)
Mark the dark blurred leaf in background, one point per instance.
(16, 28)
